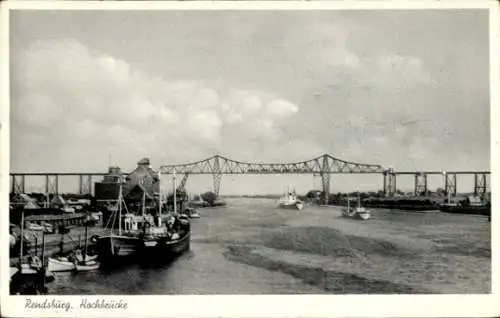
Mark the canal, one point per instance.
(203, 270)
(252, 247)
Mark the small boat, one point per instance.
(32, 266)
(30, 274)
(290, 201)
(83, 261)
(363, 213)
(357, 212)
(86, 266)
(60, 264)
(192, 213)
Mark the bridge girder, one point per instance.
(320, 165)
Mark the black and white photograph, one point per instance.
(249, 152)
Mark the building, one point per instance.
(108, 189)
(143, 180)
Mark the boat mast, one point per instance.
(22, 236)
(159, 196)
(120, 210)
(175, 195)
(143, 202)
(86, 233)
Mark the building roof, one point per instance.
(142, 179)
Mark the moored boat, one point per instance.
(469, 205)
(169, 239)
(60, 264)
(121, 244)
(357, 212)
(290, 201)
(30, 274)
(86, 266)
(83, 261)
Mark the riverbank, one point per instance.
(390, 253)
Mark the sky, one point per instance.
(408, 89)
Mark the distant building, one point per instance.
(109, 187)
(142, 180)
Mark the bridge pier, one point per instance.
(389, 183)
(18, 183)
(217, 175)
(52, 184)
(325, 179)
(420, 184)
(85, 185)
(480, 184)
(450, 184)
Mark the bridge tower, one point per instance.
(389, 182)
(420, 184)
(52, 184)
(217, 175)
(325, 178)
(450, 183)
(18, 183)
(480, 184)
(85, 185)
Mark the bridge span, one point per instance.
(324, 165)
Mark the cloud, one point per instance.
(85, 100)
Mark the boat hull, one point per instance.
(481, 210)
(56, 265)
(112, 246)
(87, 266)
(163, 248)
(293, 206)
(363, 216)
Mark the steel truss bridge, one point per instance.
(324, 166)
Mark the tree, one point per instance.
(209, 197)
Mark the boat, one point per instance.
(87, 266)
(30, 275)
(60, 264)
(83, 261)
(145, 236)
(121, 244)
(357, 212)
(169, 239)
(290, 201)
(192, 213)
(470, 205)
